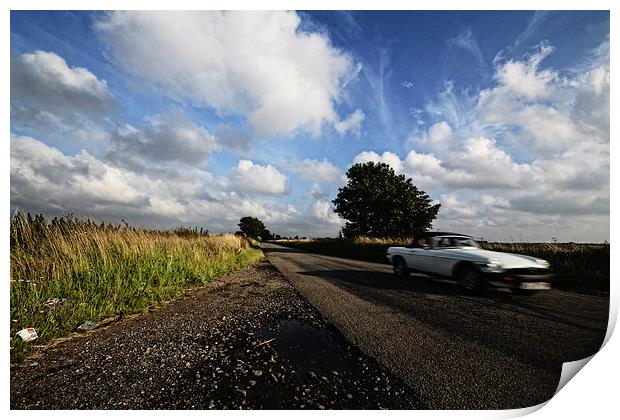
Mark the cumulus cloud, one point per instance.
(252, 178)
(44, 80)
(256, 64)
(316, 193)
(351, 124)
(542, 112)
(525, 79)
(44, 179)
(478, 163)
(494, 201)
(163, 138)
(317, 170)
(530, 153)
(387, 157)
(51, 98)
(562, 203)
(452, 207)
(324, 211)
(438, 138)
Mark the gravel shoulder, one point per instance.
(246, 340)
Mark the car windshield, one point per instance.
(455, 242)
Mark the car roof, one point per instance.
(434, 234)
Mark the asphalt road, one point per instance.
(497, 350)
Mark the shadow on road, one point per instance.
(536, 306)
(388, 281)
(268, 250)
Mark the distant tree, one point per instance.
(378, 203)
(265, 235)
(278, 237)
(251, 226)
(239, 233)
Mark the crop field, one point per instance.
(577, 267)
(67, 271)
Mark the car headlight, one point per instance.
(544, 263)
(493, 266)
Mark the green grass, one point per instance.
(105, 271)
(577, 267)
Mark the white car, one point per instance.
(459, 257)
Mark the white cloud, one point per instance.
(252, 178)
(317, 171)
(43, 80)
(257, 64)
(478, 163)
(438, 138)
(525, 79)
(494, 201)
(542, 112)
(316, 193)
(351, 124)
(452, 207)
(390, 158)
(324, 211)
(528, 156)
(67, 105)
(43, 179)
(163, 138)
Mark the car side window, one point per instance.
(444, 243)
(419, 243)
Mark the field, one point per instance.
(577, 267)
(67, 271)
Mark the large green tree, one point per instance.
(251, 226)
(378, 203)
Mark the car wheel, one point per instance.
(400, 267)
(469, 279)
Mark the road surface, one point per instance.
(455, 351)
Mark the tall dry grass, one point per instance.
(66, 271)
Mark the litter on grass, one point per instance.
(87, 326)
(28, 334)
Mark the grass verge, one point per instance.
(581, 268)
(67, 271)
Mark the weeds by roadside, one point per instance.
(66, 271)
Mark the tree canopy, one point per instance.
(251, 226)
(378, 203)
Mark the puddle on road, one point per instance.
(305, 345)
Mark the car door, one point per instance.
(416, 257)
(441, 260)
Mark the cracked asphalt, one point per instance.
(245, 341)
(494, 351)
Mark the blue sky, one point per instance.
(200, 118)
